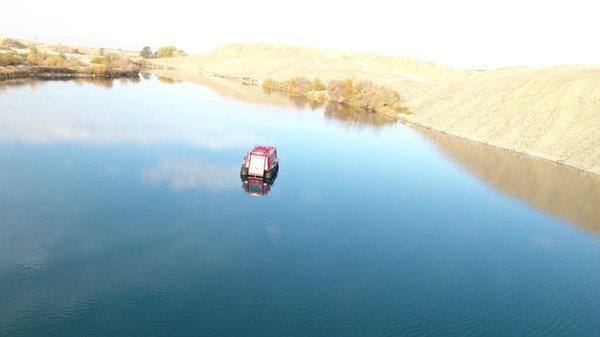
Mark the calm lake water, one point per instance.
(122, 213)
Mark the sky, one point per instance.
(458, 33)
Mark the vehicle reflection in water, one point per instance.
(258, 186)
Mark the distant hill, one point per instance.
(410, 77)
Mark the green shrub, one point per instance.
(146, 52)
(167, 51)
(170, 51)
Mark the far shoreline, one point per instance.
(16, 72)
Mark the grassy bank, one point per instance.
(361, 94)
(19, 60)
(35, 64)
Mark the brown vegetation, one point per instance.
(66, 50)
(362, 94)
(39, 64)
(11, 43)
(112, 64)
(35, 58)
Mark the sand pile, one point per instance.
(410, 77)
(553, 113)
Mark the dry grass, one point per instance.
(11, 43)
(366, 95)
(82, 53)
(34, 58)
(362, 94)
(110, 64)
(11, 59)
(296, 86)
(41, 60)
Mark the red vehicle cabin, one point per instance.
(260, 162)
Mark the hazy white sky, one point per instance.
(463, 33)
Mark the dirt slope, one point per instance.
(553, 113)
(409, 76)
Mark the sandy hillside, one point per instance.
(409, 76)
(553, 113)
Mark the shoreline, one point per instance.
(549, 160)
(9, 73)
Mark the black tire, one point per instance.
(268, 175)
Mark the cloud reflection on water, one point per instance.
(184, 174)
(97, 118)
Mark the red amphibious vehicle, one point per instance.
(261, 162)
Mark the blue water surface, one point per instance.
(122, 213)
